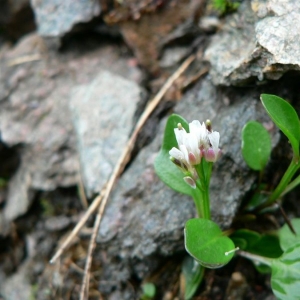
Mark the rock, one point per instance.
(34, 110)
(249, 48)
(17, 286)
(278, 32)
(102, 112)
(171, 56)
(19, 195)
(57, 223)
(55, 18)
(147, 25)
(144, 219)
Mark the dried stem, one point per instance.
(77, 228)
(24, 59)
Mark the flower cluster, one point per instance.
(200, 142)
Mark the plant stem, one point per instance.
(288, 175)
(264, 260)
(292, 185)
(207, 171)
(204, 173)
(198, 199)
(206, 204)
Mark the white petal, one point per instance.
(180, 134)
(195, 127)
(214, 138)
(203, 132)
(191, 142)
(177, 154)
(184, 150)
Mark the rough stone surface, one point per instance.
(102, 113)
(258, 42)
(147, 36)
(34, 110)
(279, 31)
(144, 218)
(55, 18)
(18, 286)
(19, 195)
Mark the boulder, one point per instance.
(257, 43)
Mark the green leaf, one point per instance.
(192, 275)
(288, 238)
(285, 279)
(149, 291)
(256, 200)
(165, 169)
(205, 242)
(261, 244)
(285, 117)
(256, 145)
(262, 268)
(267, 246)
(245, 239)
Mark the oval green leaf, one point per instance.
(191, 277)
(256, 145)
(165, 169)
(245, 239)
(285, 280)
(285, 117)
(287, 238)
(261, 244)
(205, 242)
(149, 291)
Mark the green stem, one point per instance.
(206, 204)
(204, 173)
(199, 201)
(292, 185)
(207, 169)
(288, 175)
(264, 260)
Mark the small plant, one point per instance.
(185, 164)
(224, 6)
(149, 291)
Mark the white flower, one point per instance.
(201, 133)
(200, 141)
(213, 152)
(188, 145)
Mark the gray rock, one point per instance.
(18, 285)
(55, 18)
(34, 112)
(102, 112)
(145, 219)
(19, 198)
(248, 48)
(279, 32)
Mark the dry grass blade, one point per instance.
(122, 163)
(77, 228)
(24, 59)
